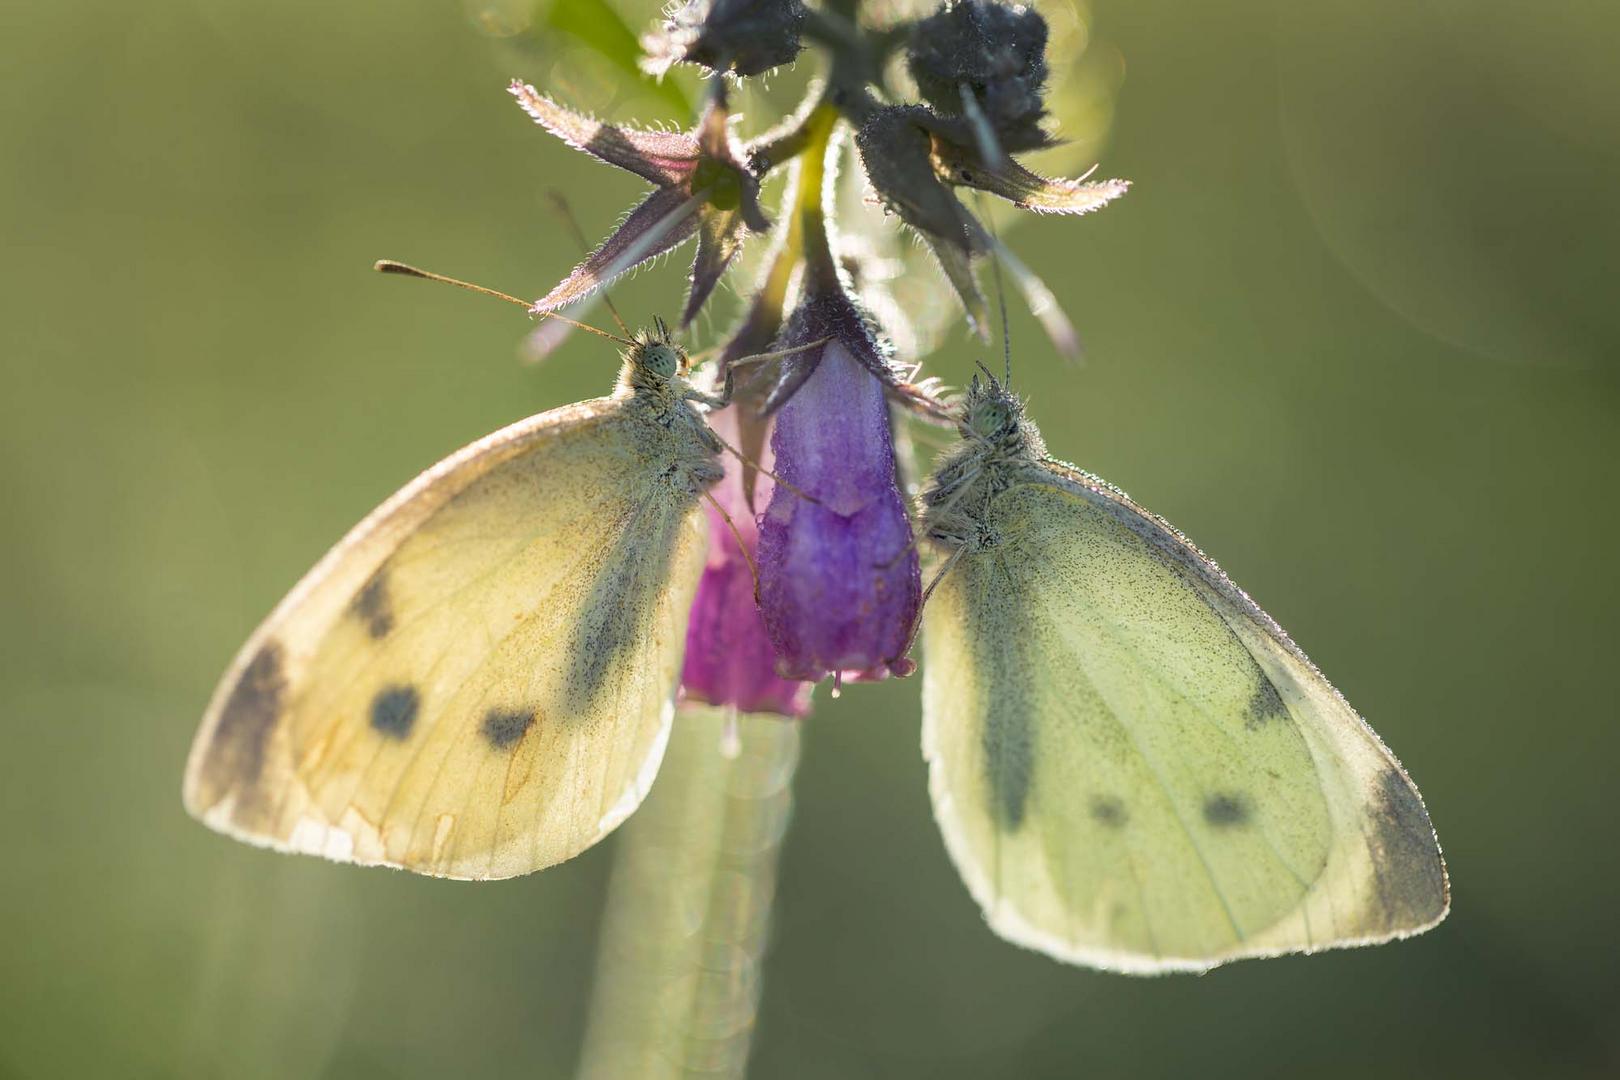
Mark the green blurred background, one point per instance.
(1355, 330)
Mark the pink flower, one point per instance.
(729, 656)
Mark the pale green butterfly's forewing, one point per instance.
(1135, 769)
(478, 681)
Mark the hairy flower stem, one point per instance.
(806, 236)
(810, 214)
(683, 938)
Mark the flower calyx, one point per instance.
(701, 187)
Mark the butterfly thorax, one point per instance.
(656, 391)
(999, 446)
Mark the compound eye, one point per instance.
(661, 360)
(988, 419)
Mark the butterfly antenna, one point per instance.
(390, 266)
(1001, 292)
(559, 203)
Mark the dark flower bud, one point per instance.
(743, 37)
(987, 57)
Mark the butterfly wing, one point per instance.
(478, 680)
(1136, 769)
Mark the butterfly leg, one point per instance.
(710, 400)
(760, 358)
(916, 623)
(721, 444)
(753, 571)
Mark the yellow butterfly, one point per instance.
(1133, 766)
(478, 681)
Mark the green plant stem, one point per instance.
(802, 214)
(809, 214)
(683, 936)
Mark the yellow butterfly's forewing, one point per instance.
(1135, 769)
(478, 681)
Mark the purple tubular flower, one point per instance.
(839, 579)
(729, 657)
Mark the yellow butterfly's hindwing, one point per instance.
(478, 681)
(1134, 768)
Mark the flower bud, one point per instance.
(743, 37)
(995, 55)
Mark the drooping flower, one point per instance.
(703, 187)
(729, 657)
(839, 577)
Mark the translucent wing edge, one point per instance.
(1002, 916)
(1171, 540)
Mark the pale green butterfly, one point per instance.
(1133, 766)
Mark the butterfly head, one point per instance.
(655, 364)
(993, 417)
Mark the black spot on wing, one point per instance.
(1266, 704)
(373, 607)
(393, 711)
(504, 727)
(1224, 810)
(1108, 811)
(1409, 875)
(235, 759)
